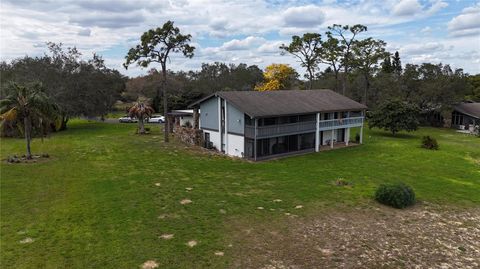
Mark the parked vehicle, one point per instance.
(127, 119)
(156, 119)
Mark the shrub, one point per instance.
(357, 138)
(429, 143)
(397, 195)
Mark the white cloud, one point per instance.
(426, 30)
(303, 16)
(271, 47)
(422, 48)
(467, 23)
(242, 44)
(231, 31)
(407, 8)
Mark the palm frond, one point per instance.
(10, 115)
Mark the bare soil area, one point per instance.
(423, 236)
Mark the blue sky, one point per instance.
(248, 31)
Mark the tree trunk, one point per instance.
(310, 79)
(367, 88)
(141, 126)
(165, 103)
(63, 124)
(344, 81)
(336, 79)
(28, 135)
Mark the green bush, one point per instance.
(429, 143)
(357, 138)
(397, 195)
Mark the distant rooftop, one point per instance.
(471, 109)
(288, 102)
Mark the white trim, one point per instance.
(317, 133)
(220, 122)
(226, 126)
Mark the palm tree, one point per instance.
(141, 111)
(29, 106)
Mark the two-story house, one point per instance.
(261, 125)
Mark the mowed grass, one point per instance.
(96, 202)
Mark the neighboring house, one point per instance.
(182, 116)
(261, 125)
(466, 116)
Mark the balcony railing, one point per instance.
(301, 127)
(340, 123)
(280, 129)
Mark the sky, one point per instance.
(248, 31)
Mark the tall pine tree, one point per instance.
(397, 64)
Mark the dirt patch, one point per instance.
(27, 240)
(191, 243)
(423, 236)
(185, 201)
(149, 265)
(23, 159)
(166, 236)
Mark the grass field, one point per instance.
(106, 195)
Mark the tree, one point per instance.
(397, 64)
(141, 111)
(367, 54)
(473, 88)
(77, 87)
(277, 77)
(156, 46)
(395, 116)
(29, 106)
(307, 50)
(387, 66)
(330, 54)
(347, 35)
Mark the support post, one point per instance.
(220, 130)
(317, 134)
(361, 129)
(347, 136)
(361, 134)
(226, 126)
(331, 138)
(255, 141)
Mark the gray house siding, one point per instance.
(209, 114)
(235, 120)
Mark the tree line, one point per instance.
(77, 87)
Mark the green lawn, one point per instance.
(95, 203)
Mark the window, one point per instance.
(307, 141)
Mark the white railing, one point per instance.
(280, 129)
(340, 123)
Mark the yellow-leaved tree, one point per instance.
(277, 77)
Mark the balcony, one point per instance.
(340, 123)
(280, 129)
(301, 127)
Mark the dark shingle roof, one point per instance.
(289, 102)
(471, 109)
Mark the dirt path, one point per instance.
(425, 236)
